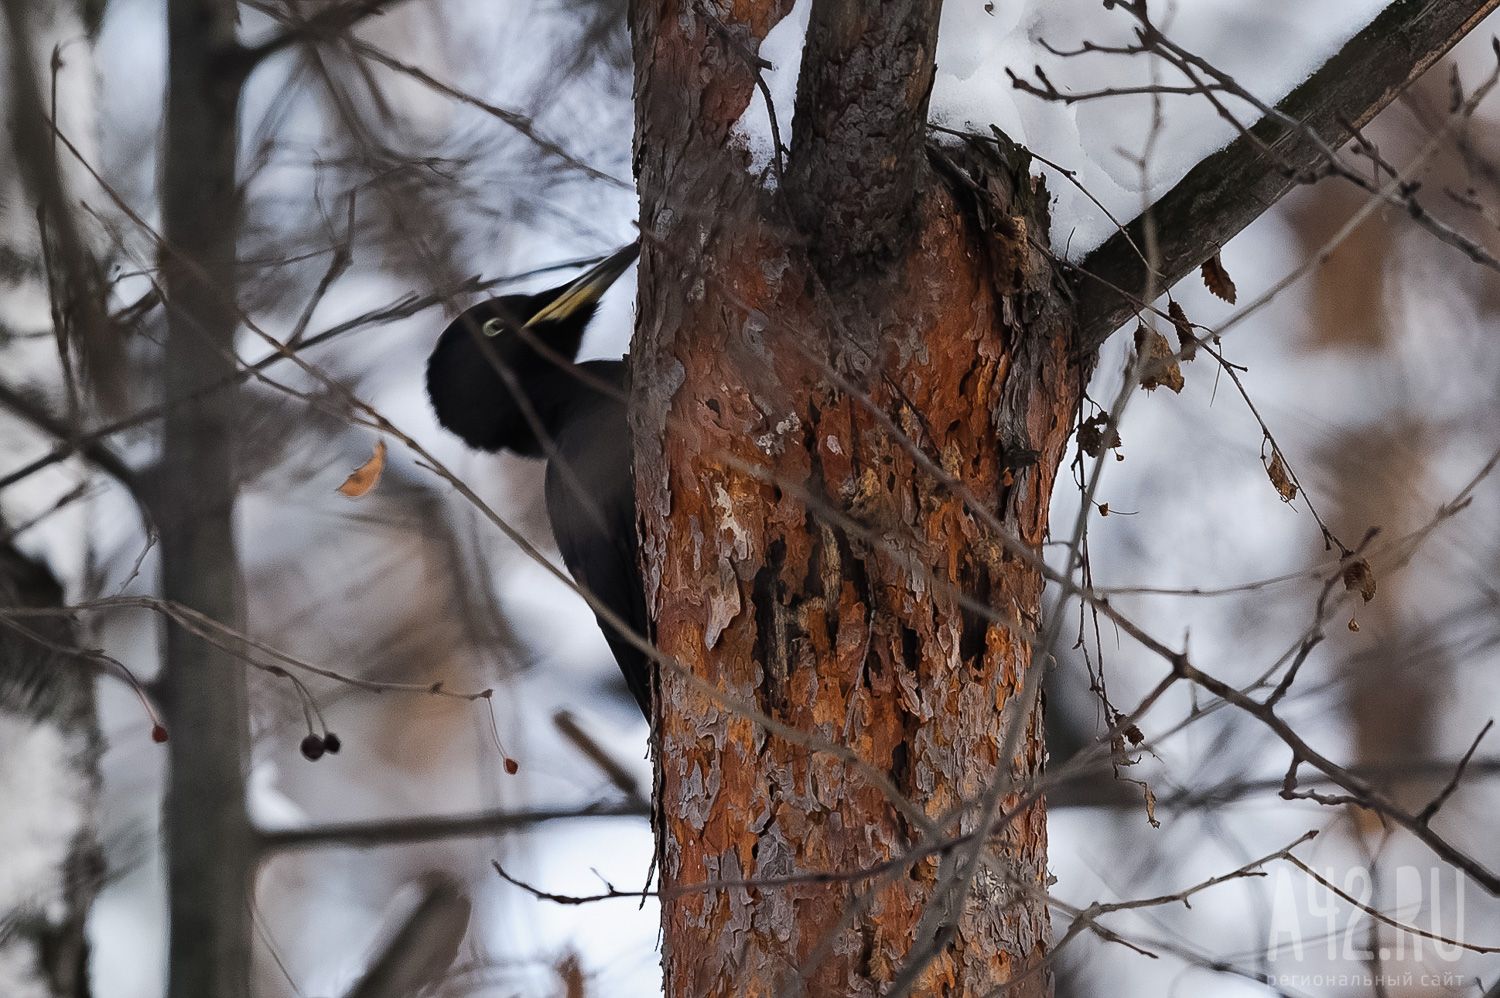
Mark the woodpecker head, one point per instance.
(501, 368)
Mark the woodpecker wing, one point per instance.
(590, 497)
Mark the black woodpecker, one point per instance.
(503, 376)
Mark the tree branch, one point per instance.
(1230, 189)
(98, 453)
(857, 136)
(621, 777)
(423, 948)
(405, 831)
(332, 20)
(403, 308)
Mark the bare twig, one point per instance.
(405, 831)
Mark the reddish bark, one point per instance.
(799, 560)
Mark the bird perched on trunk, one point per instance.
(504, 376)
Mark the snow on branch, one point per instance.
(1231, 188)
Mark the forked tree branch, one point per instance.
(857, 136)
(1234, 186)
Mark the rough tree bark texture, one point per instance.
(210, 848)
(763, 343)
(49, 782)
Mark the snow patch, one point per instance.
(782, 48)
(1269, 47)
(270, 807)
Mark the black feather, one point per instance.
(501, 379)
(590, 495)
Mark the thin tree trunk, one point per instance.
(798, 557)
(210, 848)
(49, 767)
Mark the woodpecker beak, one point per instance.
(589, 287)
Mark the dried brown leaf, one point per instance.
(1360, 578)
(1159, 367)
(1150, 805)
(1187, 343)
(366, 476)
(1092, 435)
(1217, 279)
(1281, 478)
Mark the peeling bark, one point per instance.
(755, 381)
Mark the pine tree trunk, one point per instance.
(790, 351)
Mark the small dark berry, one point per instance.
(332, 743)
(511, 766)
(158, 733)
(312, 748)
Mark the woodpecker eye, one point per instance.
(492, 327)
